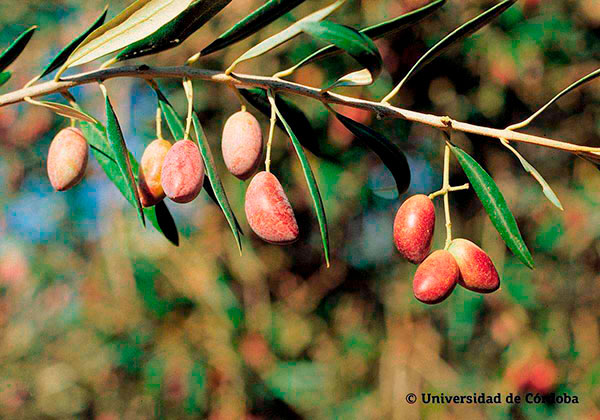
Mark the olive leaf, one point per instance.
(4, 77)
(139, 20)
(390, 154)
(374, 32)
(494, 204)
(313, 188)
(158, 215)
(215, 181)
(64, 54)
(64, 110)
(16, 48)
(121, 154)
(176, 31)
(254, 22)
(357, 45)
(455, 36)
(290, 32)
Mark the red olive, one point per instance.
(436, 277)
(413, 228)
(477, 271)
(149, 177)
(182, 172)
(242, 144)
(67, 159)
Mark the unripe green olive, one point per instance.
(67, 159)
(269, 211)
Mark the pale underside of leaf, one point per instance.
(546, 189)
(139, 20)
(290, 32)
(65, 111)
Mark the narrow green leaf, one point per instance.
(121, 154)
(4, 77)
(139, 20)
(254, 22)
(357, 45)
(457, 35)
(159, 215)
(65, 111)
(290, 32)
(215, 181)
(294, 116)
(389, 153)
(546, 189)
(313, 188)
(176, 31)
(583, 80)
(495, 205)
(375, 32)
(178, 131)
(16, 48)
(62, 56)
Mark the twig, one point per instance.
(279, 85)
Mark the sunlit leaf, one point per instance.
(62, 56)
(141, 19)
(357, 45)
(252, 23)
(389, 153)
(65, 111)
(5, 77)
(313, 188)
(176, 31)
(121, 154)
(159, 215)
(215, 181)
(16, 48)
(376, 31)
(495, 205)
(290, 32)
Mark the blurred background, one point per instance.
(100, 319)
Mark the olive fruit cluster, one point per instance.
(462, 262)
(176, 171)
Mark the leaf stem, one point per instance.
(159, 134)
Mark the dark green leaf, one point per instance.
(288, 33)
(62, 56)
(252, 23)
(583, 80)
(176, 31)
(4, 77)
(357, 45)
(495, 205)
(16, 48)
(457, 35)
(389, 153)
(377, 31)
(215, 181)
(159, 215)
(295, 118)
(121, 155)
(313, 188)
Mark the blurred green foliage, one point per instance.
(100, 319)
